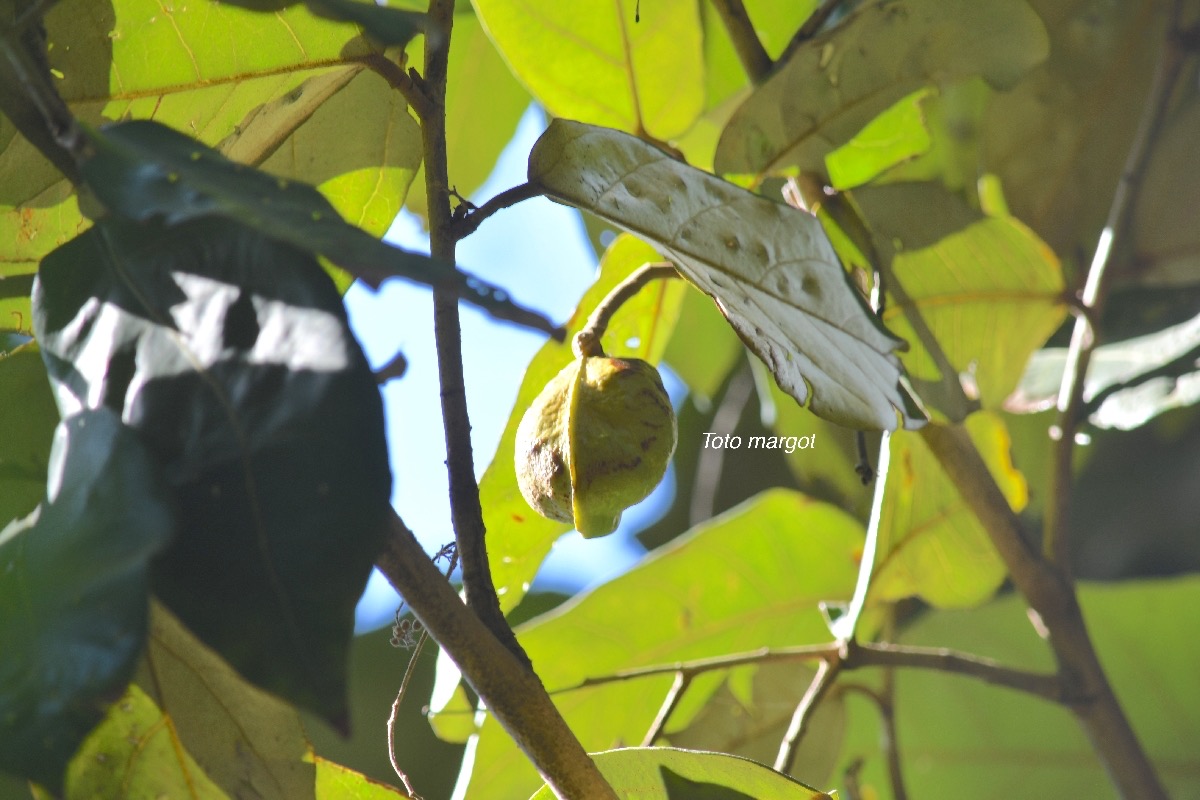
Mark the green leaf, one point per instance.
(26, 430)
(335, 782)
(135, 752)
(239, 735)
(970, 277)
(518, 538)
(963, 738)
(145, 171)
(665, 773)
(231, 355)
(834, 84)
(1140, 378)
(931, 544)
(896, 135)
(748, 579)
(216, 68)
(74, 586)
(770, 268)
(594, 63)
(774, 21)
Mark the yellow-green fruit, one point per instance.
(595, 441)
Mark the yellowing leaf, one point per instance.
(592, 62)
(770, 268)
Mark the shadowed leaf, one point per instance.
(74, 587)
(231, 356)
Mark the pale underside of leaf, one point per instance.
(769, 267)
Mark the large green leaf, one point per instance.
(594, 63)
(26, 430)
(836, 83)
(74, 587)
(988, 289)
(239, 735)
(518, 538)
(931, 545)
(959, 737)
(667, 773)
(748, 579)
(770, 268)
(216, 70)
(231, 355)
(144, 171)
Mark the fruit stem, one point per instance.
(586, 343)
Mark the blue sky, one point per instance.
(539, 252)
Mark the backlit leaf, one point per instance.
(770, 268)
(593, 62)
(750, 578)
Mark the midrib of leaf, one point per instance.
(630, 74)
(205, 83)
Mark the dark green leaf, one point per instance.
(388, 26)
(231, 355)
(144, 171)
(74, 589)
(26, 428)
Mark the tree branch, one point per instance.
(749, 49)
(1084, 337)
(466, 512)
(512, 693)
(827, 672)
(670, 703)
(1048, 687)
(811, 26)
(465, 226)
(1085, 687)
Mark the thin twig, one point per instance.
(670, 703)
(1084, 337)
(513, 694)
(884, 703)
(854, 656)
(587, 341)
(409, 671)
(746, 43)
(465, 226)
(1046, 686)
(465, 510)
(827, 672)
